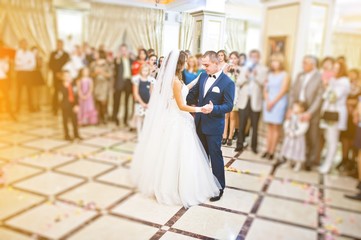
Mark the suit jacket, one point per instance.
(243, 85)
(313, 93)
(56, 64)
(223, 101)
(119, 82)
(65, 103)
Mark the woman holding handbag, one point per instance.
(334, 112)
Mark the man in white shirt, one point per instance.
(249, 102)
(25, 64)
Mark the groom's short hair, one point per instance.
(212, 56)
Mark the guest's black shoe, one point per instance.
(359, 185)
(238, 149)
(68, 138)
(224, 141)
(308, 168)
(354, 197)
(215, 199)
(255, 151)
(78, 137)
(229, 142)
(235, 136)
(265, 155)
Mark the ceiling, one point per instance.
(347, 12)
(348, 15)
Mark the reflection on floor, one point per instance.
(53, 189)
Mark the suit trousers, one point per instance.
(127, 90)
(313, 142)
(56, 84)
(244, 115)
(212, 144)
(24, 79)
(69, 114)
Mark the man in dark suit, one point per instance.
(216, 90)
(122, 83)
(58, 59)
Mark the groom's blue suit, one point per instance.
(210, 126)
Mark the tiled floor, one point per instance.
(53, 189)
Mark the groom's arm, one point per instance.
(228, 102)
(193, 95)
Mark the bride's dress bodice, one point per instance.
(185, 92)
(177, 113)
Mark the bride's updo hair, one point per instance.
(180, 64)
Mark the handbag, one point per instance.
(331, 116)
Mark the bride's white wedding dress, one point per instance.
(170, 163)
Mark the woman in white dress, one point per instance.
(169, 161)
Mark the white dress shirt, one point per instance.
(24, 60)
(210, 81)
(126, 68)
(306, 79)
(4, 69)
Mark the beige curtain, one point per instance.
(145, 28)
(106, 25)
(348, 45)
(111, 25)
(33, 20)
(186, 32)
(2, 19)
(236, 32)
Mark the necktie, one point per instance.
(212, 76)
(70, 94)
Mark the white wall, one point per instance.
(170, 33)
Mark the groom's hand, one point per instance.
(207, 108)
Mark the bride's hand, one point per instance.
(206, 109)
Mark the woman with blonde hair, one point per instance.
(275, 102)
(222, 58)
(191, 71)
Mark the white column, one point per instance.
(209, 27)
(170, 32)
(209, 30)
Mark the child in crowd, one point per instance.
(87, 114)
(294, 144)
(142, 87)
(69, 105)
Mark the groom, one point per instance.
(215, 90)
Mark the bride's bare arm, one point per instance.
(193, 83)
(177, 92)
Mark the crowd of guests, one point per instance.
(309, 115)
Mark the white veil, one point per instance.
(150, 140)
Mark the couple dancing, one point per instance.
(171, 160)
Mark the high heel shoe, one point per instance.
(265, 155)
(270, 157)
(224, 141)
(229, 142)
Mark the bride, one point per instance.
(170, 162)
